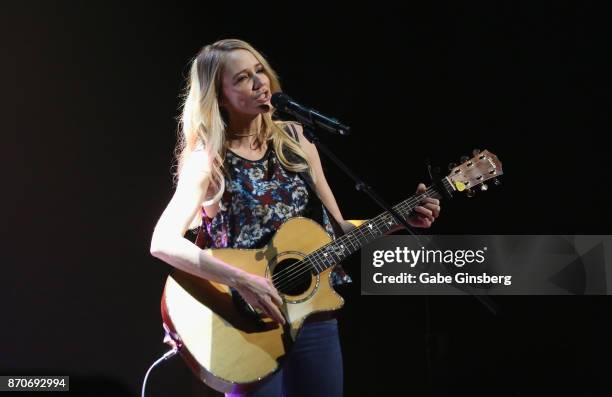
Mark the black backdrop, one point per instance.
(90, 96)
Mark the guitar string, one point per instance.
(317, 256)
(314, 255)
(376, 221)
(307, 267)
(317, 259)
(304, 264)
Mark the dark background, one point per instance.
(89, 100)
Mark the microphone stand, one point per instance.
(361, 186)
(364, 187)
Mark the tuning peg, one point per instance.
(434, 172)
(476, 152)
(484, 187)
(470, 192)
(496, 182)
(452, 166)
(463, 159)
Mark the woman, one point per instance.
(241, 174)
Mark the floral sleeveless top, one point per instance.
(259, 196)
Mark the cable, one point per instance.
(170, 353)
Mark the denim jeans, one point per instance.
(312, 368)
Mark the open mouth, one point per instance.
(263, 97)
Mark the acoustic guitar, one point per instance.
(232, 347)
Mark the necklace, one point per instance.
(241, 135)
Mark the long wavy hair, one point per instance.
(203, 121)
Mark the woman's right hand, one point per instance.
(261, 294)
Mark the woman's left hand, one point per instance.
(426, 213)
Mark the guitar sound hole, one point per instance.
(291, 278)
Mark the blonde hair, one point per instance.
(203, 121)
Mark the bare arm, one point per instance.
(423, 217)
(321, 185)
(169, 244)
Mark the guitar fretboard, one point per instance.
(340, 248)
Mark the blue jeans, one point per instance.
(312, 368)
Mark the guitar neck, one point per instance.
(340, 248)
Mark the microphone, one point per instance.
(308, 116)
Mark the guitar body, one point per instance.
(230, 350)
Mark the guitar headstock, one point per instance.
(475, 172)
